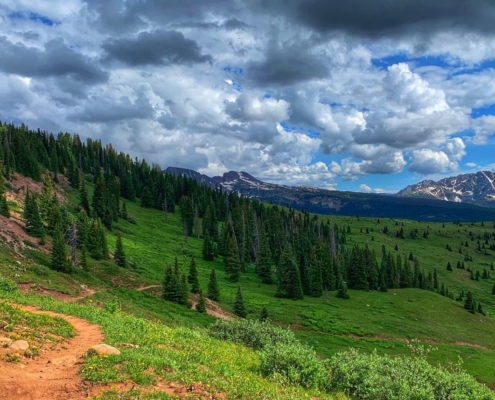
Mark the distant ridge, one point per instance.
(477, 188)
(324, 201)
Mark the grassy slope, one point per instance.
(330, 324)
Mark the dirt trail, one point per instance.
(54, 374)
(85, 292)
(141, 288)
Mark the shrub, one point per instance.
(293, 364)
(7, 285)
(251, 333)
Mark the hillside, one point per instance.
(333, 202)
(174, 341)
(477, 188)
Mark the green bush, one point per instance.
(7, 285)
(293, 364)
(370, 376)
(252, 333)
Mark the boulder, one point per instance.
(19, 345)
(5, 341)
(103, 350)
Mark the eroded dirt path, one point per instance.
(54, 374)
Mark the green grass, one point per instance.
(367, 321)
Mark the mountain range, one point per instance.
(410, 204)
(477, 188)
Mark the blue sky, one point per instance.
(318, 96)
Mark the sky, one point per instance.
(350, 95)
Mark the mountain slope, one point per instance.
(478, 188)
(341, 203)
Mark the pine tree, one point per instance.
(342, 290)
(201, 306)
(192, 277)
(119, 255)
(449, 266)
(493, 289)
(4, 206)
(231, 261)
(208, 253)
(32, 218)
(382, 284)
(171, 289)
(480, 309)
(184, 290)
(469, 303)
(264, 315)
(47, 197)
(315, 277)
(83, 198)
(264, 267)
(59, 252)
(213, 290)
(239, 308)
(289, 278)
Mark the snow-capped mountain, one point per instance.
(324, 201)
(478, 188)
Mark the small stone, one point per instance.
(103, 349)
(5, 341)
(19, 345)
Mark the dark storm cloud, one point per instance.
(155, 48)
(383, 17)
(286, 66)
(57, 60)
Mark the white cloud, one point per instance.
(365, 188)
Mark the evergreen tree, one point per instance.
(239, 308)
(213, 289)
(201, 306)
(231, 261)
(59, 252)
(342, 290)
(382, 284)
(4, 207)
(469, 303)
(32, 218)
(171, 286)
(47, 197)
(208, 253)
(83, 261)
(192, 277)
(184, 290)
(83, 198)
(449, 266)
(315, 277)
(119, 255)
(480, 309)
(264, 267)
(289, 278)
(493, 289)
(264, 315)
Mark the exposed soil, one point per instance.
(141, 288)
(21, 183)
(12, 233)
(39, 290)
(213, 309)
(54, 374)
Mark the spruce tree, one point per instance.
(201, 306)
(342, 290)
(83, 261)
(289, 278)
(47, 197)
(264, 267)
(184, 290)
(59, 252)
(231, 261)
(480, 309)
(4, 206)
(83, 198)
(315, 276)
(208, 253)
(264, 315)
(213, 290)
(469, 303)
(493, 289)
(382, 284)
(239, 308)
(192, 277)
(449, 266)
(32, 218)
(171, 289)
(119, 255)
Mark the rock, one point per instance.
(129, 346)
(102, 349)
(5, 341)
(19, 345)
